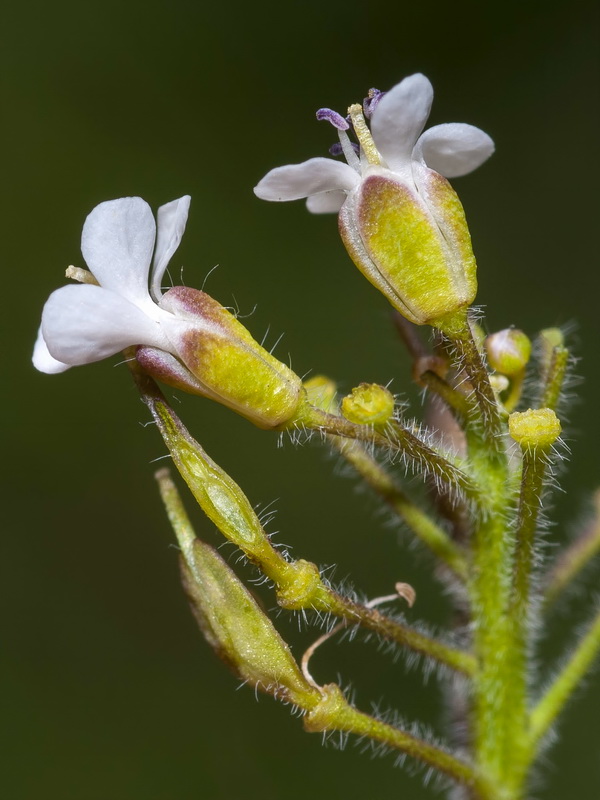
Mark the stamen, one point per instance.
(334, 118)
(363, 134)
(371, 101)
(349, 151)
(81, 275)
(336, 148)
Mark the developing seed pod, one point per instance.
(238, 630)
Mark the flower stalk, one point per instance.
(562, 688)
(575, 558)
(398, 440)
(298, 583)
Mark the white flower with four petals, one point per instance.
(83, 324)
(399, 218)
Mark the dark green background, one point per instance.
(109, 691)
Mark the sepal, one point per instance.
(217, 357)
(412, 244)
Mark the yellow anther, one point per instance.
(80, 275)
(363, 134)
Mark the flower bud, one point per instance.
(550, 344)
(414, 246)
(499, 383)
(535, 428)
(508, 351)
(368, 404)
(238, 630)
(553, 337)
(321, 393)
(218, 358)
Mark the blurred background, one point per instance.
(109, 690)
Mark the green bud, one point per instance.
(238, 630)
(368, 404)
(321, 393)
(508, 351)
(303, 586)
(414, 246)
(535, 428)
(218, 358)
(553, 337)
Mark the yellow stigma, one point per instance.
(363, 134)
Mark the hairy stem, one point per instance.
(396, 631)
(455, 400)
(396, 439)
(334, 714)
(565, 683)
(535, 464)
(299, 585)
(554, 378)
(575, 558)
(487, 417)
(419, 522)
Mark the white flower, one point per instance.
(400, 220)
(86, 323)
(184, 338)
(395, 145)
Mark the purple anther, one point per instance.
(334, 118)
(336, 149)
(370, 102)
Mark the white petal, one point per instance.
(42, 359)
(326, 202)
(295, 181)
(453, 149)
(117, 244)
(400, 117)
(83, 324)
(171, 221)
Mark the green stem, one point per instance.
(456, 401)
(555, 698)
(535, 463)
(492, 637)
(431, 534)
(394, 630)
(515, 391)
(554, 378)
(487, 417)
(180, 522)
(575, 558)
(299, 584)
(335, 714)
(397, 439)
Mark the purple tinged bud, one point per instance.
(334, 118)
(508, 351)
